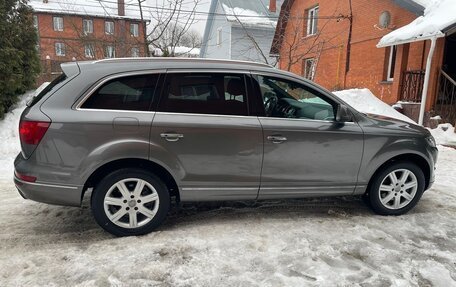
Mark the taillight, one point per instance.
(24, 177)
(31, 132)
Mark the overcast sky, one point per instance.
(203, 6)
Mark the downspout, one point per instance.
(349, 39)
(426, 80)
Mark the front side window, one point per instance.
(223, 94)
(134, 29)
(110, 52)
(312, 21)
(57, 23)
(288, 99)
(89, 51)
(309, 68)
(87, 26)
(133, 93)
(59, 49)
(109, 27)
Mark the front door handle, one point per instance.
(171, 137)
(276, 139)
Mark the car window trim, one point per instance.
(246, 74)
(102, 81)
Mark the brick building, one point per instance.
(86, 30)
(334, 44)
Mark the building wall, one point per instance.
(368, 64)
(213, 50)
(74, 39)
(243, 48)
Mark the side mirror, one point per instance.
(343, 114)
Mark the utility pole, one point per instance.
(146, 45)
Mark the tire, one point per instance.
(130, 202)
(390, 197)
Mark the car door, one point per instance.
(306, 151)
(212, 145)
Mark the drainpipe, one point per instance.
(426, 80)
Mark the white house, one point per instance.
(241, 30)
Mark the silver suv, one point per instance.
(141, 132)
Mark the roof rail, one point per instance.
(177, 59)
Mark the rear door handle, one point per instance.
(276, 139)
(171, 137)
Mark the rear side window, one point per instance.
(133, 93)
(49, 88)
(203, 93)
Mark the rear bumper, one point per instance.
(46, 191)
(49, 193)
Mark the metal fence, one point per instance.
(412, 86)
(50, 69)
(445, 104)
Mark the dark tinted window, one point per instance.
(205, 94)
(49, 88)
(127, 93)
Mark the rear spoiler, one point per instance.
(70, 69)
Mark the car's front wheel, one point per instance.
(130, 202)
(396, 189)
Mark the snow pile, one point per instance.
(444, 134)
(106, 9)
(246, 16)
(364, 101)
(438, 15)
(9, 135)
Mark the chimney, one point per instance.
(121, 7)
(272, 6)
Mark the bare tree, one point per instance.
(171, 26)
(296, 45)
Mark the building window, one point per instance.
(110, 52)
(109, 27)
(89, 51)
(58, 23)
(219, 36)
(87, 26)
(134, 29)
(309, 68)
(59, 49)
(135, 52)
(35, 21)
(312, 21)
(391, 63)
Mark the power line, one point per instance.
(128, 6)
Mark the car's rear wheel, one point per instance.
(396, 189)
(130, 202)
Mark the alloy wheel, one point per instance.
(131, 203)
(398, 189)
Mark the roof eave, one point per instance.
(430, 37)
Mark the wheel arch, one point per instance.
(420, 161)
(144, 164)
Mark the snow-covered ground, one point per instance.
(314, 242)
